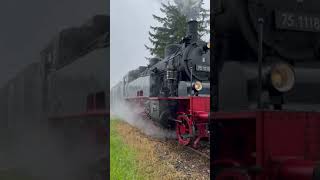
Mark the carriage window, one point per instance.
(96, 101)
(140, 93)
(100, 100)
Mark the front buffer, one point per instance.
(192, 120)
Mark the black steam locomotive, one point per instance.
(265, 88)
(286, 36)
(165, 87)
(170, 77)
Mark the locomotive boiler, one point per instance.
(265, 89)
(174, 91)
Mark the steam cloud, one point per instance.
(125, 112)
(189, 8)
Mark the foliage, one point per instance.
(173, 28)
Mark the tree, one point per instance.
(173, 27)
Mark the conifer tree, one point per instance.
(173, 27)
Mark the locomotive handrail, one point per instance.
(185, 63)
(260, 57)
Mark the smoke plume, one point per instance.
(131, 115)
(189, 8)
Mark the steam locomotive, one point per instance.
(65, 90)
(174, 91)
(265, 100)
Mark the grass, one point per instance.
(134, 156)
(122, 157)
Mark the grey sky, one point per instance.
(130, 23)
(26, 26)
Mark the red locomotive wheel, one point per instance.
(184, 130)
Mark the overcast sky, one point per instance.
(130, 23)
(28, 25)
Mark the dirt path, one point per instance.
(163, 159)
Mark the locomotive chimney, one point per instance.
(192, 30)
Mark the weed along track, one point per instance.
(162, 158)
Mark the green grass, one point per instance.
(122, 158)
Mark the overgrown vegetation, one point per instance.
(122, 158)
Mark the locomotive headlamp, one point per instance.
(206, 47)
(282, 77)
(197, 86)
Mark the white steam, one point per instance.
(132, 115)
(189, 8)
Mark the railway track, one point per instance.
(199, 152)
(203, 150)
(167, 152)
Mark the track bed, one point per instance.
(166, 157)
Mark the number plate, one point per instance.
(297, 21)
(203, 68)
